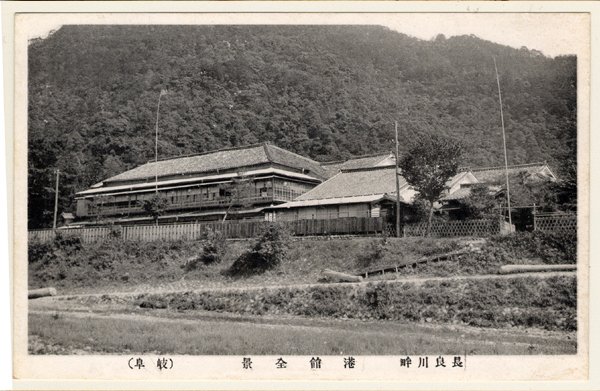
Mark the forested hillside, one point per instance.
(326, 92)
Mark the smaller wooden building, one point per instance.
(364, 192)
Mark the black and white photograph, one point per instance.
(310, 193)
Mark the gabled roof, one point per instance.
(226, 159)
(458, 177)
(366, 161)
(354, 183)
(457, 195)
(496, 174)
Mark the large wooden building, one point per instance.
(278, 185)
(198, 187)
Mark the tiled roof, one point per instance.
(457, 195)
(290, 159)
(496, 174)
(452, 181)
(222, 160)
(353, 183)
(355, 163)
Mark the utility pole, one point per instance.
(162, 92)
(504, 141)
(56, 198)
(397, 185)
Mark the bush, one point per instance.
(269, 251)
(549, 303)
(213, 250)
(550, 247)
(374, 251)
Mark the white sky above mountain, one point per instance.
(551, 33)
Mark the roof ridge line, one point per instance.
(266, 149)
(366, 168)
(524, 165)
(267, 144)
(358, 157)
(249, 146)
(349, 196)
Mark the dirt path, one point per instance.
(305, 286)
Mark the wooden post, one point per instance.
(504, 142)
(397, 184)
(56, 198)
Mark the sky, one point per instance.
(551, 33)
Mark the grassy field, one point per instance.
(170, 332)
(172, 308)
(123, 266)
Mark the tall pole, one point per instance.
(504, 141)
(397, 184)
(162, 92)
(56, 199)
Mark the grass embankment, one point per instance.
(548, 303)
(352, 319)
(115, 264)
(169, 332)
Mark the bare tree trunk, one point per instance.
(226, 213)
(428, 231)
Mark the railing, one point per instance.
(479, 228)
(109, 210)
(555, 222)
(231, 229)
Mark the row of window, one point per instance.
(208, 195)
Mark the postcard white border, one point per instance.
(8, 10)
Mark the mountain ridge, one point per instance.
(324, 92)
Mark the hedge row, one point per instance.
(549, 303)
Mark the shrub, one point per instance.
(213, 250)
(66, 242)
(115, 232)
(270, 250)
(374, 250)
(37, 250)
(549, 303)
(550, 247)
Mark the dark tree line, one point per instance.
(326, 92)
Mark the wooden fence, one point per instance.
(231, 229)
(555, 222)
(344, 226)
(479, 228)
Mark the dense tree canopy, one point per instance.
(326, 92)
(430, 162)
